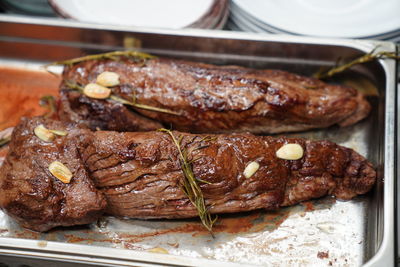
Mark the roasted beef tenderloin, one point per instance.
(139, 174)
(208, 98)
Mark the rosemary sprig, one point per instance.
(363, 59)
(115, 55)
(190, 185)
(5, 136)
(4, 141)
(49, 102)
(132, 103)
(74, 86)
(142, 106)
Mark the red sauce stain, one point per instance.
(20, 92)
(308, 205)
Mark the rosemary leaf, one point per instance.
(110, 55)
(4, 141)
(49, 102)
(190, 185)
(142, 106)
(74, 86)
(363, 59)
(5, 136)
(121, 100)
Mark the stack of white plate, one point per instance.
(172, 14)
(369, 19)
(27, 7)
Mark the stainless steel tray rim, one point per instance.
(364, 45)
(386, 249)
(385, 253)
(59, 250)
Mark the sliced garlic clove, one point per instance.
(251, 169)
(108, 79)
(60, 171)
(94, 90)
(290, 152)
(59, 132)
(43, 133)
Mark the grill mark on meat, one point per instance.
(214, 98)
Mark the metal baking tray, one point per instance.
(317, 233)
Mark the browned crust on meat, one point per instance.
(140, 176)
(99, 114)
(146, 175)
(227, 98)
(29, 192)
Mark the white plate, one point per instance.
(241, 17)
(245, 25)
(173, 14)
(329, 18)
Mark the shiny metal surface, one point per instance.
(322, 232)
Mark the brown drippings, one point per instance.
(254, 222)
(20, 92)
(309, 206)
(175, 245)
(77, 239)
(323, 255)
(236, 224)
(27, 234)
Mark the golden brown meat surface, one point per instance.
(209, 98)
(140, 176)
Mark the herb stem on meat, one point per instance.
(5, 136)
(123, 101)
(4, 141)
(49, 102)
(115, 55)
(190, 185)
(363, 59)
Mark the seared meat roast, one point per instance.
(208, 98)
(138, 174)
(31, 195)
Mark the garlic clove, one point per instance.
(94, 90)
(108, 79)
(60, 171)
(251, 169)
(290, 152)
